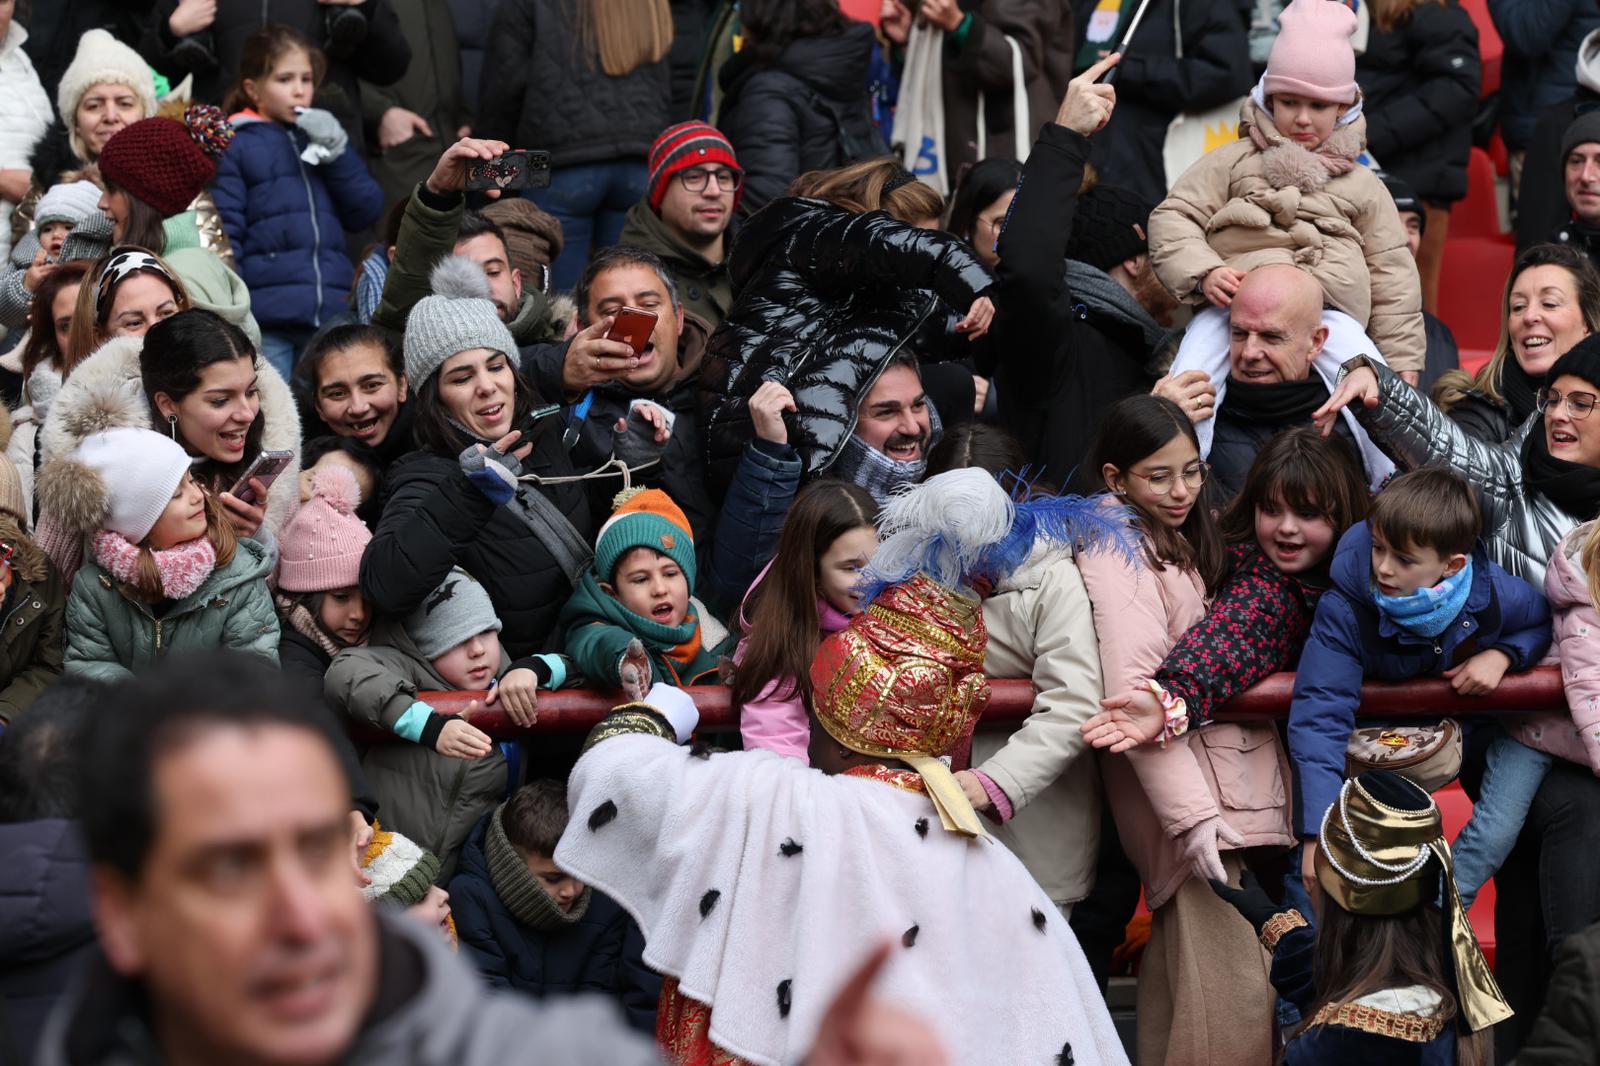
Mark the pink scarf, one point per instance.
(183, 569)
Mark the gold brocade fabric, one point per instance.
(1409, 1027)
(909, 780)
(628, 719)
(683, 1030)
(1278, 925)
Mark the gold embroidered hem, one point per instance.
(909, 780)
(628, 719)
(683, 1030)
(1410, 1027)
(1278, 925)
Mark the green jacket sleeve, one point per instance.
(365, 685)
(251, 623)
(427, 234)
(597, 648)
(90, 652)
(46, 664)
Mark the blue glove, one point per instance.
(492, 473)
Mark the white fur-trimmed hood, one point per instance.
(104, 391)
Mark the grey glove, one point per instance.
(327, 135)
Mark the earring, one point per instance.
(172, 421)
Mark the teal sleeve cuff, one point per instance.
(558, 670)
(413, 721)
(958, 36)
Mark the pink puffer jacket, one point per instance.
(1156, 794)
(1577, 645)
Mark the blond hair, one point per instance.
(625, 34)
(859, 188)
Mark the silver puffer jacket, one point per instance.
(1520, 527)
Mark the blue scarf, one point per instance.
(1428, 612)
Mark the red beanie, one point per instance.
(688, 144)
(164, 162)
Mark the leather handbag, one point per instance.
(1428, 755)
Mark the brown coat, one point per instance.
(1240, 207)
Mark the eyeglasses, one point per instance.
(694, 179)
(1579, 404)
(1161, 481)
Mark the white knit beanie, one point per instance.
(68, 201)
(458, 317)
(101, 58)
(140, 469)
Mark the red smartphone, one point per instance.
(266, 468)
(633, 326)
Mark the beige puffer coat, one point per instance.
(1241, 207)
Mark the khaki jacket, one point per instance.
(1241, 207)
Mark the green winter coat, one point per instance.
(31, 631)
(431, 798)
(111, 636)
(598, 629)
(704, 288)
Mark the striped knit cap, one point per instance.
(688, 144)
(401, 870)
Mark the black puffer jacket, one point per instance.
(433, 519)
(822, 298)
(1421, 87)
(46, 930)
(786, 117)
(540, 91)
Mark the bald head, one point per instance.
(1275, 325)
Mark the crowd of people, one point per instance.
(361, 351)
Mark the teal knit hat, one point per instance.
(645, 518)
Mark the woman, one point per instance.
(1551, 302)
(43, 366)
(979, 208)
(829, 283)
(352, 381)
(155, 172)
(527, 550)
(1204, 994)
(210, 392)
(587, 81)
(123, 295)
(794, 98)
(1534, 489)
(1419, 81)
(106, 87)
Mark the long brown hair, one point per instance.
(1139, 426)
(1389, 15)
(1454, 385)
(146, 583)
(90, 316)
(859, 188)
(784, 623)
(261, 52)
(41, 346)
(625, 34)
(1311, 474)
(1357, 955)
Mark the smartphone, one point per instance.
(266, 468)
(520, 169)
(633, 326)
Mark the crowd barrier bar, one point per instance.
(570, 711)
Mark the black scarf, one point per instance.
(1573, 487)
(1520, 390)
(1280, 403)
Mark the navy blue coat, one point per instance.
(601, 953)
(46, 931)
(287, 221)
(1350, 641)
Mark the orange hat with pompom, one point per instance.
(321, 547)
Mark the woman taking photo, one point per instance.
(1551, 302)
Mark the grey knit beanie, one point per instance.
(458, 610)
(458, 317)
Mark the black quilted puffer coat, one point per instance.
(822, 298)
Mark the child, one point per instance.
(638, 589)
(33, 602)
(441, 773)
(61, 209)
(287, 191)
(1292, 190)
(1414, 595)
(167, 572)
(319, 575)
(531, 926)
(807, 592)
(403, 876)
(1385, 977)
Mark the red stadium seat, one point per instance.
(1456, 808)
(1471, 277)
(1478, 215)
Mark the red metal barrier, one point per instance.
(578, 710)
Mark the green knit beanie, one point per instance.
(645, 518)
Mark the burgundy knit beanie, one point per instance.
(164, 162)
(688, 144)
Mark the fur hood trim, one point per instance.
(73, 494)
(28, 560)
(104, 391)
(1286, 164)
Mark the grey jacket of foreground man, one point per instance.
(1521, 527)
(431, 1010)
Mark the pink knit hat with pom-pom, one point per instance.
(1312, 56)
(321, 547)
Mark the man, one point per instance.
(1442, 354)
(420, 114)
(695, 182)
(812, 866)
(1580, 152)
(1072, 342)
(1267, 385)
